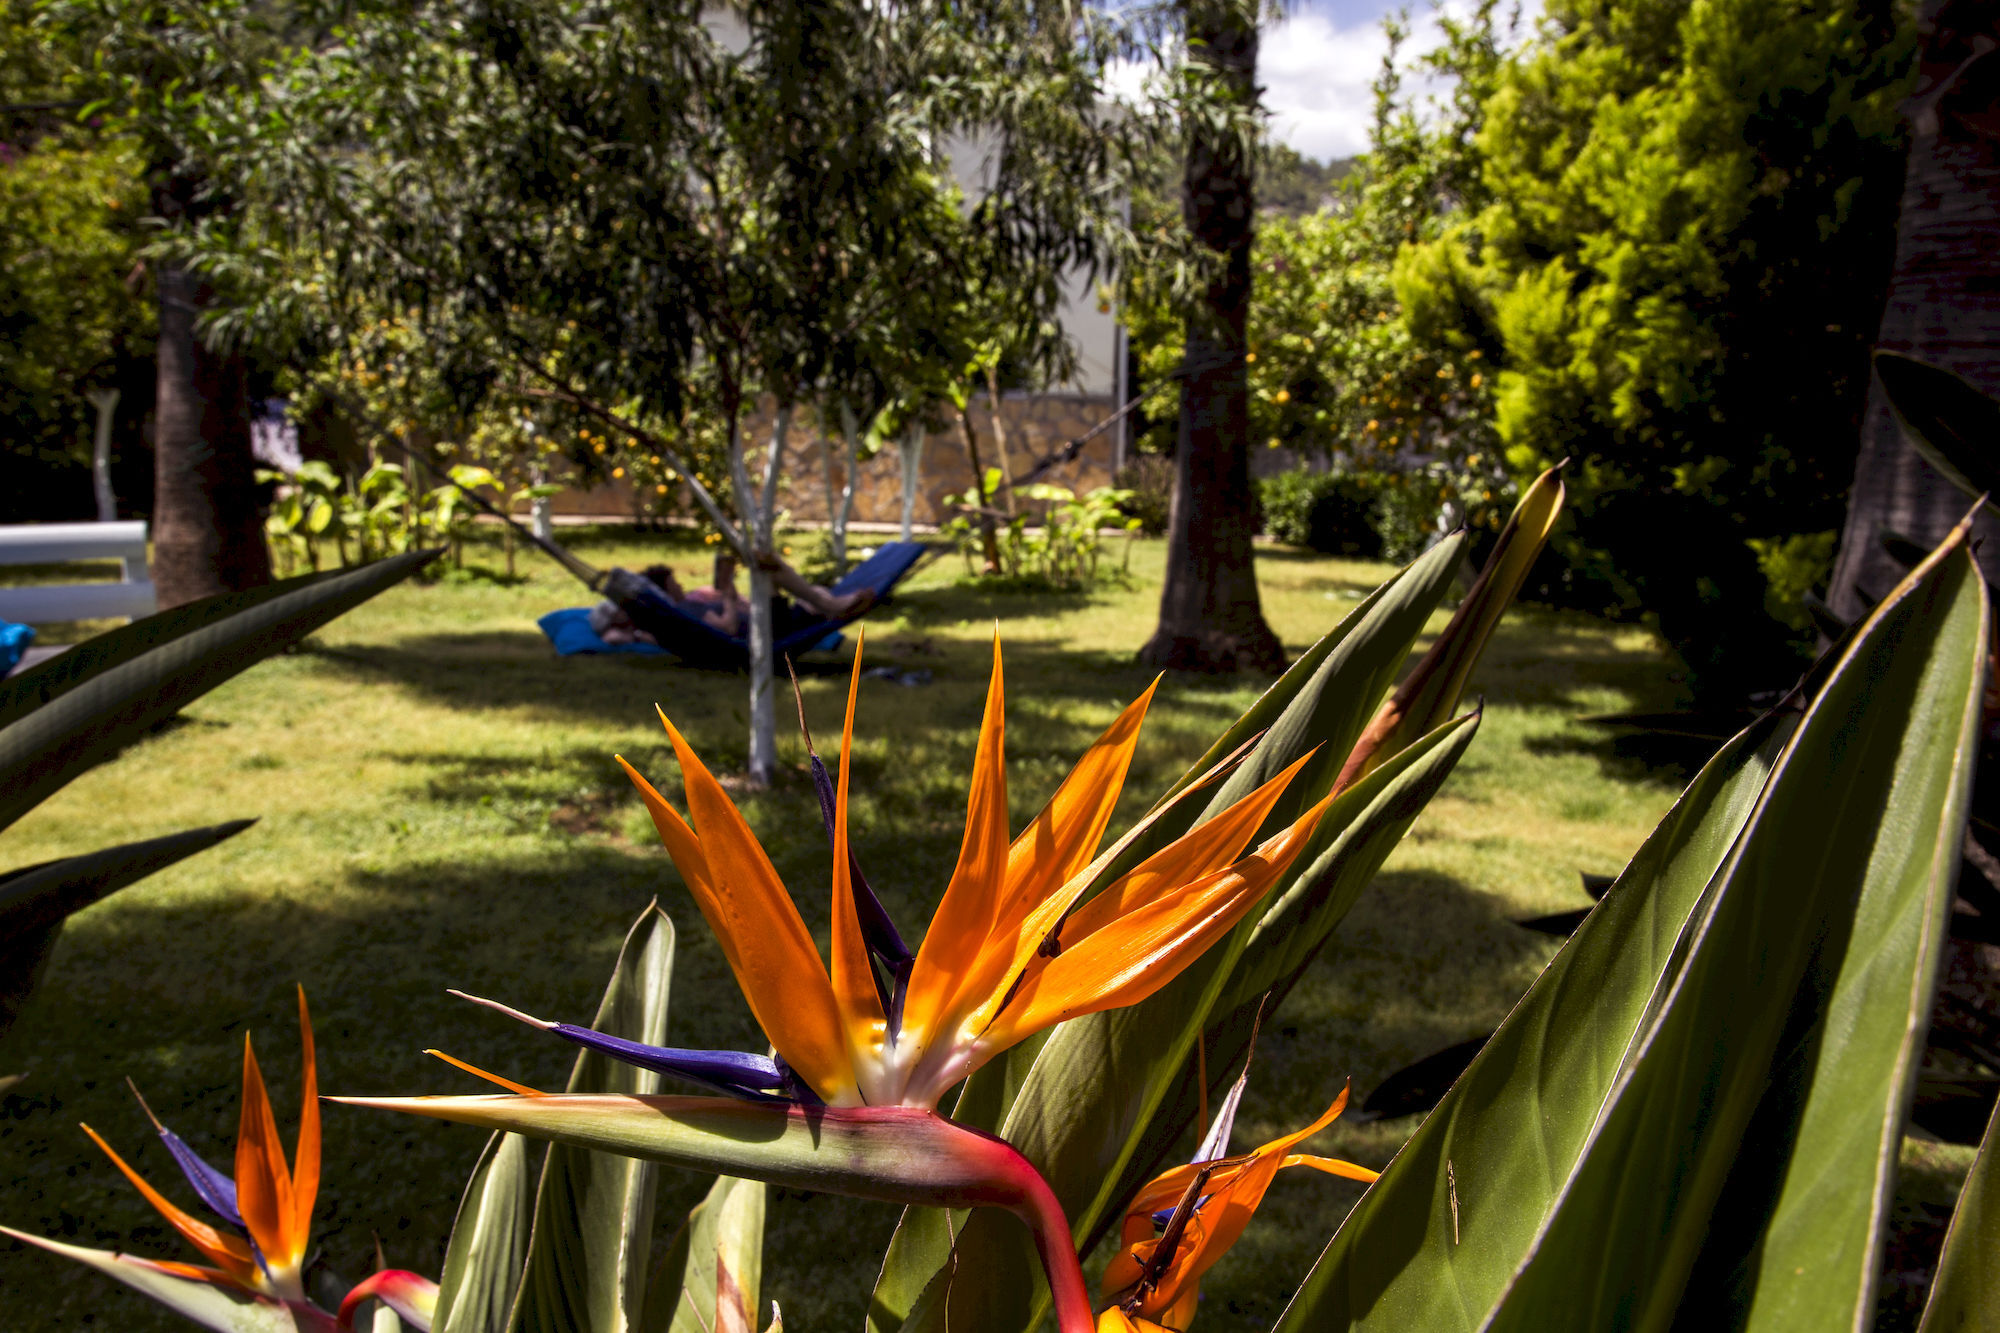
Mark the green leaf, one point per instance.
(1085, 1137)
(1371, 640)
(1965, 1293)
(488, 1249)
(593, 1220)
(81, 707)
(1679, 1054)
(1090, 1100)
(222, 1308)
(725, 1228)
(1288, 936)
(35, 900)
(1953, 425)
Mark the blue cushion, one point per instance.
(14, 640)
(569, 630)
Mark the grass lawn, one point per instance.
(439, 807)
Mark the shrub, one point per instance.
(1330, 512)
(1149, 482)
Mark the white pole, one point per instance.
(104, 400)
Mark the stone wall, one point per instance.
(1037, 425)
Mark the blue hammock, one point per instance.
(694, 640)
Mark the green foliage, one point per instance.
(1697, 1107)
(82, 707)
(1675, 276)
(1333, 370)
(69, 236)
(1329, 512)
(1061, 552)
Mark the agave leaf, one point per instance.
(1965, 1293)
(35, 900)
(1089, 1102)
(1678, 1056)
(1953, 425)
(593, 1218)
(488, 1249)
(727, 1229)
(71, 715)
(212, 1305)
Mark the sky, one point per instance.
(1318, 63)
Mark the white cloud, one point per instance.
(1317, 75)
(1318, 68)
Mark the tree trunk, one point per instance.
(207, 535)
(989, 540)
(756, 508)
(912, 460)
(1944, 299)
(1210, 616)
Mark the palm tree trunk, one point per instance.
(208, 537)
(1941, 305)
(1211, 618)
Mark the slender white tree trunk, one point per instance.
(104, 400)
(913, 457)
(850, 438)
(757, 507)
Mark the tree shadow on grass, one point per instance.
(499, 669)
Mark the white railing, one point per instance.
(54, 543)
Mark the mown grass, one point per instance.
(439, 807)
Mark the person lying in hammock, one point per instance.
(726, 611)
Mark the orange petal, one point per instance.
(305, 1158)
(754, 919)
(1050, 852)
(1333, 1166)
(682, 846)
(230, 1253)
(865, 1024)
(964, 917)
(1127, 960)
(1231, 1205)
(1064, 836)
(263, 1181)
(1199, 852)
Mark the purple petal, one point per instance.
(878, 932)
(736, 1073)
(216, 1191)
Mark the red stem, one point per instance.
(1038, 1207)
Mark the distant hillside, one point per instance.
(1291, 184)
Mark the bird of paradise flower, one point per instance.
(865, 1049)
(1180, 1223)
(264, 1209)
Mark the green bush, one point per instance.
(1149, 479)
(1330, 512)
